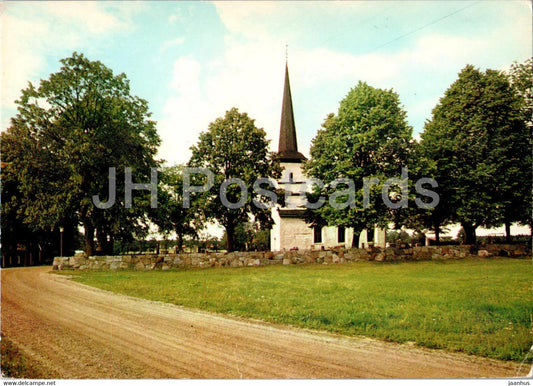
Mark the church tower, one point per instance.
(288, 144)
(290, 230)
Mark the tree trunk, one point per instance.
(110, 250)
(437, 235)
(470, 233)
(89, 238)
(31, 254)
(508, 232)
(355, 239)
(101, 237)
(230, 238)
(180, 242)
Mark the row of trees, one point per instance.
(477, 146)
(83, 120)
(80, 122)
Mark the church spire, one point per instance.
(288, 146)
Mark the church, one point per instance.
(290, 231)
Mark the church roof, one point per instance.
(288, 146)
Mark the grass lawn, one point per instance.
(17, 365)
(482, 307)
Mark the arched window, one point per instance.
(370, 235)
(317, 234)
(341, 234)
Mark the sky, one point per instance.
(193, 61)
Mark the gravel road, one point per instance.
(69, 330)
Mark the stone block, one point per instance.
(483, 253)
(310, 259)
(114, 265)
(287, 261)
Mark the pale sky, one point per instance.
(192, 61)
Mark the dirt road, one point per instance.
(73, 331)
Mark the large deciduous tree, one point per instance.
(171, 215)
(68, 132)
(481, 149)
(521, 78)
(368, 138)
(234, 148)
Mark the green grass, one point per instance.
(481, 307)
(15, 364)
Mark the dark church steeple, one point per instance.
(288, 146)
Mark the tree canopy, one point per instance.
(368, 138)
(171, 215)
(68, 132)
(233, 147)
(481, 148)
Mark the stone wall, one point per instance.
(254, 259)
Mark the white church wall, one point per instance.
(379, 239)
(295, 233)
(292, 180)
(331, 237)
(292, 167)
(275, 232)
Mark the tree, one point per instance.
(519, 206)
(68, 132)
(243, 236)
(22, 243)
(415, 216)
(249, 237)
(171, 215)
(520, 77)
(233, 147)
(481, 150)
(367, 138)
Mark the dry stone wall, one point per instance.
(145, 262)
